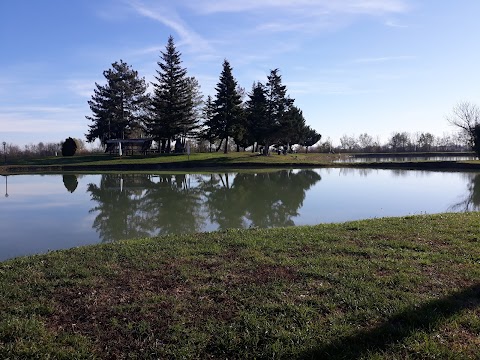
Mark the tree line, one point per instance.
(400, 141)
(176, 111)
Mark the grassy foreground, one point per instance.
(386, 288)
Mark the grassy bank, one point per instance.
(386, 288)
(234, 160)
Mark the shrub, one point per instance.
(69, 147)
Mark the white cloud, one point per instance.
(394, 24)
(168, 17)
(42, 119)
(383, 59)
(318, 6)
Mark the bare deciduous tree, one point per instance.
(465, 116)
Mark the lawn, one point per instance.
(391, 288)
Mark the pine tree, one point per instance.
(119, 107)
(278, 105)
(311, 137)
(256, 114)
(172, 102)
(210, 129)
(228, 108)
(293, 129)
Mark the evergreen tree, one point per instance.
(256, 114)
(192, 125)
(210, 129)
(119, 107)
(228, 108)
(278, 104)
(69, 147)
(311, 137)
(172, 102)
(293, 130)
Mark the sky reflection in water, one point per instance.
(48, 212)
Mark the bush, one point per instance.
(69, 147)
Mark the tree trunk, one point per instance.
(219, 146)
(225, 149)
(265, 149)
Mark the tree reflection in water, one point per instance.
(139, 205)
(472, 201)
(70, 182)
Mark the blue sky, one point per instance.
(353, 66)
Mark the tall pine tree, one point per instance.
(172, 101)
(119, 107)
(209, 130)
(278, 103)
(228, 110)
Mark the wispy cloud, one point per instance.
(382, 59)
(170, 18)
(42, 119)
(323, 6)
(394, 24)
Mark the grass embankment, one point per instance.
(386, 288)
(105, 162)
(234, 160)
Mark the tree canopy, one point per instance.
(175, 111)
(119, 107)
(176, 98)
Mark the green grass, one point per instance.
(105, 162)
(394, 288)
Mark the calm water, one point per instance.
(359, 159)
(50, 212)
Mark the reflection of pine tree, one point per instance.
(226, 202)
(173, 206)
(278, 196)
(118, 198)
(265, 199)
(132, 206)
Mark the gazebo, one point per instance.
(129, 146)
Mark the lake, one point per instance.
(400, 158)
(48, 212)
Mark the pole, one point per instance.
(4, 152)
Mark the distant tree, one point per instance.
(80, 145)
(228, 110)
(426, 141)
(399, 141)
(119, 107)
(172, 110)
(365, 142)
(69, 147)
(348, 143)
(466, 116)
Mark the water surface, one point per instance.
(48, 212)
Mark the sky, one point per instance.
(352, 66)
